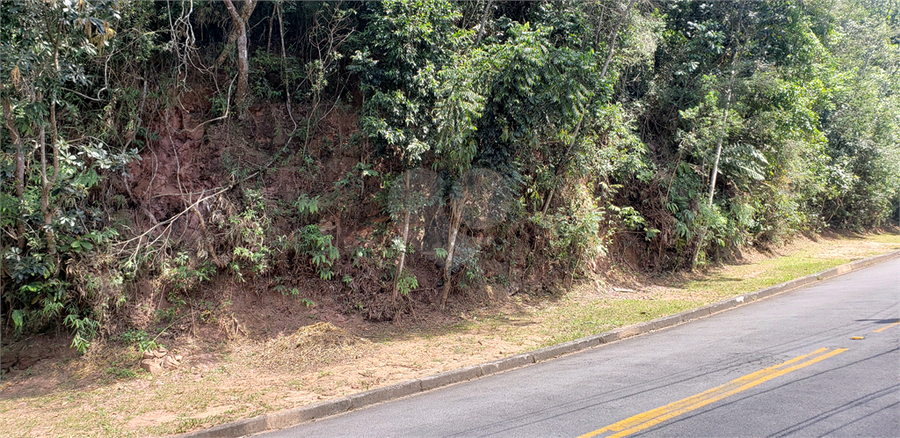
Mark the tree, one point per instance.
(456, 115)
(240, 23)
(405, 45)
(45, 45)
(861, 119)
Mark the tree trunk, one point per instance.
(715, 169)
(243, 66)
(402, 262)
(484, 16)
(20, 168)
(229, 46)
(455, 219)
(45, 194)
(240, 29)
(54, 142)
(614, 38)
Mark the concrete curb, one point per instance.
(283, 419)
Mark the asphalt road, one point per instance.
(785, 366)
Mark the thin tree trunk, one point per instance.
(402, 262)
(54, 132)
(20, 168)
(271, 20)
(229, 46)
(547, 201)
(48, 183)
(484, 16)
(240, 28)
(455, 216)
(45, 193)
(563, 161)
(287, 85)
(715, 169)
(54, 142)
(614, 38)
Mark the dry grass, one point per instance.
(105, 394)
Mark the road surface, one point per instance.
(819, 361)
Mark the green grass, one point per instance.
(742, 279)
(574, 321)
(886, 238)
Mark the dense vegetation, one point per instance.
(164, 146)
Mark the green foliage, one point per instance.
(141, 340)
(785, 165)
(85, 330)
(307, 206)
(407, 283)
(293, 292)
(247, 234)
(400, 52)
(633, 220)
(56, 237)
(573, 234)
(423, 191)
(322, 254)
(184, 274)
(565, 124)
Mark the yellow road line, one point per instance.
(885, 327)
(653, 417)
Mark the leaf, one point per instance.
(18, 317)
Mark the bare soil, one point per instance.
(266, 352)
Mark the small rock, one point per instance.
(152, 366)
(170, 363)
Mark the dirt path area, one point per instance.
(223, 375)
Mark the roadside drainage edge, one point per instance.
(293, 417)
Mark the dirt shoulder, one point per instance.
(274, 353)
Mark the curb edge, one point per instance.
(292, 417)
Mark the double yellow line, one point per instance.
(653, 417)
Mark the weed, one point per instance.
(121, 373)
(358, 254)
(407, 282)
(247, 231)
(168, 314)
(318, 247)
(187, 424)
(293, 292)
(307, 206)
(141, 340)
(184, 275)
